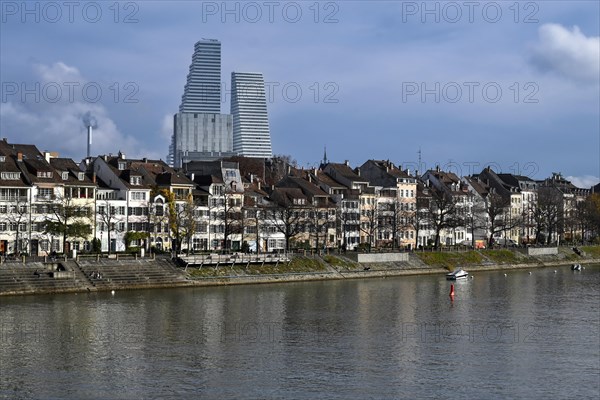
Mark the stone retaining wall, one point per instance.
(542, 251)
(382, 257)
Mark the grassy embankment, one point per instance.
(298, 264)
(447, 260)
(451, 260)
(341, 264)
(591, 251)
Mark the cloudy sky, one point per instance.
(514, 85)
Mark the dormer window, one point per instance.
(10, 176)
(44, 174)
(122, 165)
(65, 176)
(2, 158)
(135, 180)
(217, 190)
(80, 176)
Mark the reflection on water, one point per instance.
(519, 336)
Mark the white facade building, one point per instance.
(251, 134)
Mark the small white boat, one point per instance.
(457, 274)
(576, 267)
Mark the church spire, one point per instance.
(325, 155)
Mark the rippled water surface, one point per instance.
(515, 336)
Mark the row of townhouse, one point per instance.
(112, 203)
(494, 206)
(44, 201)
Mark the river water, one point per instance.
(520, 336)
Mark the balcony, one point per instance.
(20, 199)
(47, 197)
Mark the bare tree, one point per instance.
(497, 210)
(593, 213)
(347, 220)
(318, 224)
(183, 222)
(16, 215)
(370, 223)
(441, 213)
(230, 216)
(476, 220)
(548, 214)
(288, 219)
(69, 219)
(108, 217)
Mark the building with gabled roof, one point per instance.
(396, 202)
(450, 186)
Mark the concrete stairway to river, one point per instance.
(108, 274)
(39, 277)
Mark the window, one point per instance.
(2, 158)
(3, 209)
(138, 195)
(12, 176)
(64, 175)
(8, 194)
(135, 180)
(217, 190)
(45, 192)
(3, 226)
(44, 174)
(80, 176)
(122, 165)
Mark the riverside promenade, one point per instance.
(92, 274)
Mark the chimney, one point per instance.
(145, 160)
(408, 171)
(47, 156)
(89, 143)
(192, 176)
(316, 172)
(94, 177)
(347, 163)
(357, 171)
(289, 169)
(258, 183)
(19, 156)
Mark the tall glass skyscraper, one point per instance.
(202, 92)
(251, 134)
(200, 131)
